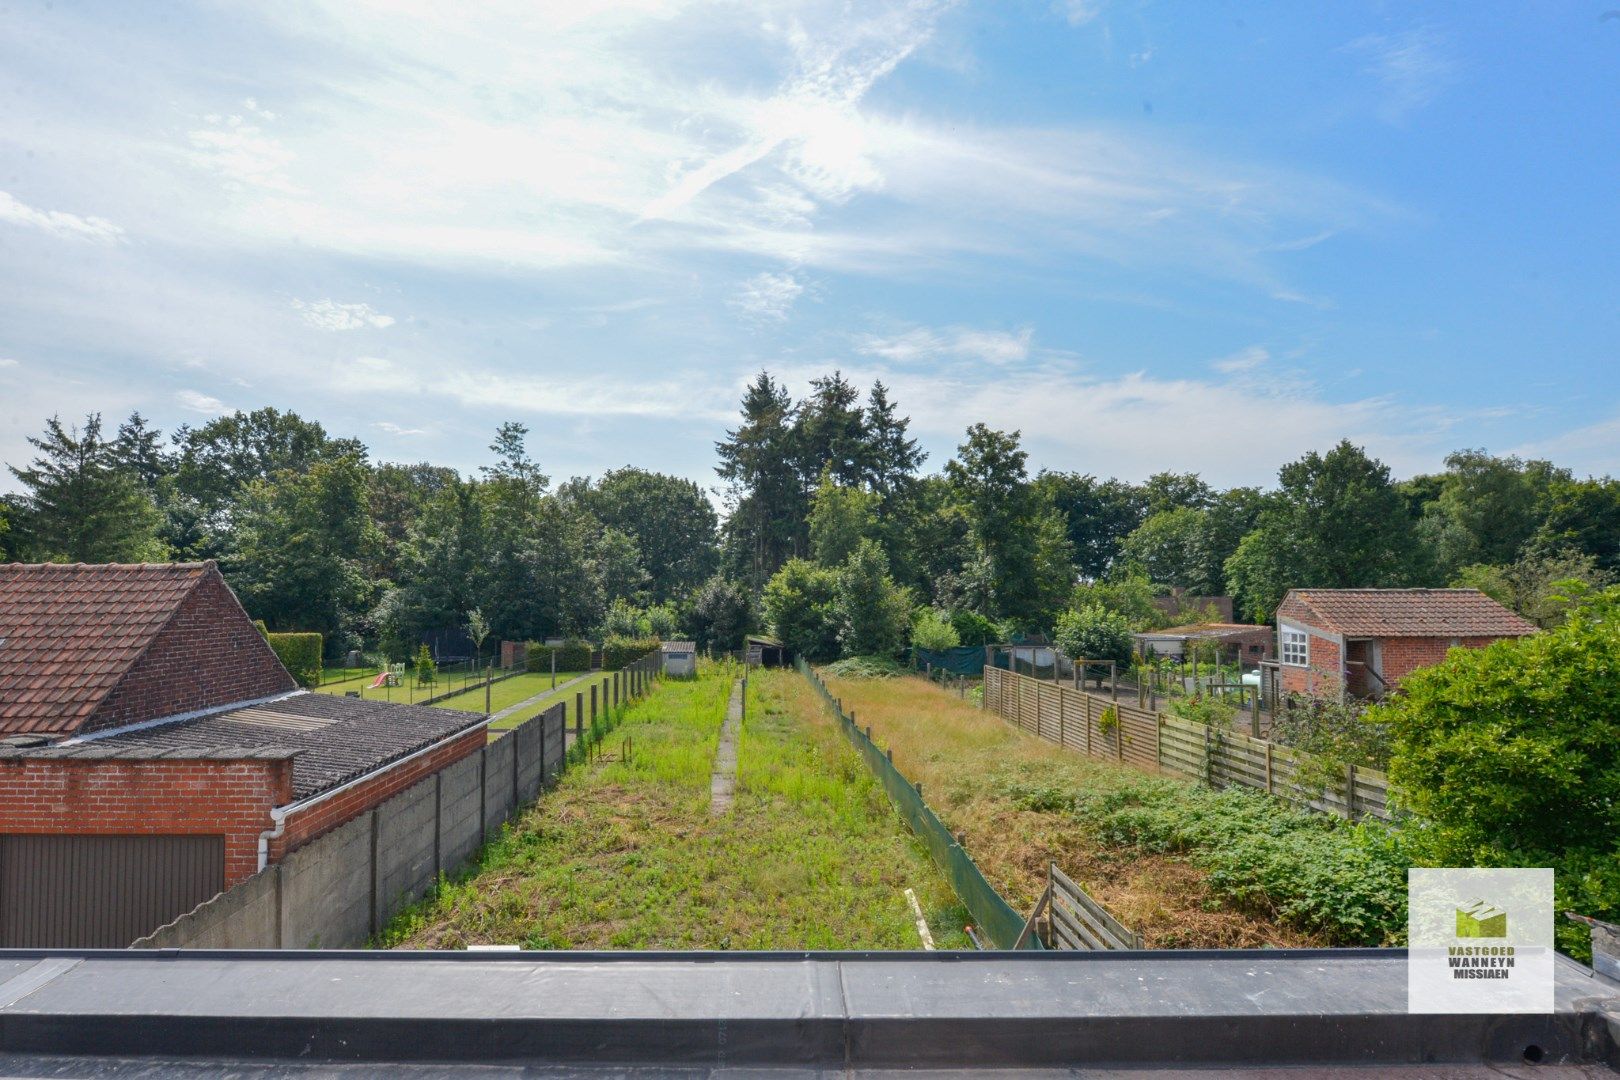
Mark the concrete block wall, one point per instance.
(245, 917)
(326, 889)
(407, 848)
(341, 889)
(500, 784)
(528, 745)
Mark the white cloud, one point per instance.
(1135, 424)
(1413, 66)
(502, 138)
(395, 429)
(768, 296)
(8, 362)
(331, 315)
(59, 222)
(949, 343)
(1243, 360)
(1079, 12)
(196, 401)
(243, 153)
(373, 363)
(1592, 448)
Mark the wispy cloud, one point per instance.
(949, 343)
(1413, 66)
(1243, 360)
(395, 429)
(1078, 12)
(243, 153)
(58, 222)
(8, 362)
(197, 401)
(331, 315)
(768, 296)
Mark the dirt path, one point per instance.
(723, 784)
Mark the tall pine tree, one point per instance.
(767, 497)
(80, 504)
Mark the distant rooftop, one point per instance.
(1205, 630)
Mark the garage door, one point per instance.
(101, 892)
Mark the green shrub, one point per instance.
(1511, 755)
(1311, 871)
(1210, 709)
(931, 630)
(427, 672)
(1094, 633)
(619, 651)
(799, 606)
(299, 653)
(974, 629)
(572, 655)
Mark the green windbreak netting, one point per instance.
(998, 920)
(962, 660)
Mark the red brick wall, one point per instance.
(209, 655)
(324, 816)
(1402, 656)
(101, 797)
(1325, 673)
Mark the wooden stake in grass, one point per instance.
(922, 923)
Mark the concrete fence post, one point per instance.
(438, 825)
(579, 716)
(593, 704)
(483, 795)
(373, 921)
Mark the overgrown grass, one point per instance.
(625, 854)
(1185, 866)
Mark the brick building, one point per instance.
(1364, 641)
(153, 750)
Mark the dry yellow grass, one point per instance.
(972, 764)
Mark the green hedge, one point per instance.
(300, 654)
(572, 655)
(618, 651)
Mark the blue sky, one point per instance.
(1200, 237)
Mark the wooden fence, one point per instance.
(1095, 725)
(1066, 917)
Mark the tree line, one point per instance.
(835, 525)
(313, 535)
(835, 537)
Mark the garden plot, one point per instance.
(1184, 866)
(625, 852)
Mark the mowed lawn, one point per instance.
(1005, 791)
(503, 693)
(624, 853)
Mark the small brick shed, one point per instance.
(1365, 641)
(153, 750)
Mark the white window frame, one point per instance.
(1291, 635)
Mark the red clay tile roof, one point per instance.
(68, 633)
(1405, 613)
